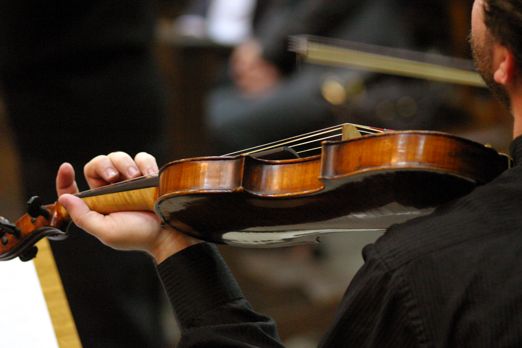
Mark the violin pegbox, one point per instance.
(10, 234)
(8, 229)
(19, 239)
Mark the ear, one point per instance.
(504, 65)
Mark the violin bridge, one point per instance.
(350, 131)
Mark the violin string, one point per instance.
(309, 150)
(367, 132)
(286, 142)
(277, 142)
(290, 144)
(370, 130)
(289, 141)
(320, 140)
(297, 139)
(364, 132)
(315, 140)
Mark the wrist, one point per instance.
(171, 242)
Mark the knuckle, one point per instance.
(94, 161)
(143, 157)
(89, 169)
(117, 154)
(97, 159)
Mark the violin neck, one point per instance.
(135, 194)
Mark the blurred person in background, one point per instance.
(264, 95)
(80, 79)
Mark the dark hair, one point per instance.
(503, 18)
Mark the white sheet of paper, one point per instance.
(24, 317)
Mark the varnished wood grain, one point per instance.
(136, 200)
(366, 183)
(411, 150)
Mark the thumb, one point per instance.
(80, 213)
(65, 180)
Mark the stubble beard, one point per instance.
(483, 60)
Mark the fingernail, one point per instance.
(132, 171)
(111, 173)
(151, 171)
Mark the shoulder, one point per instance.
(462, 269)
(489, 212)
(458, 265)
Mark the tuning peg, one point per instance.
(35, 209)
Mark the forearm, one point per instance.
(209, 304)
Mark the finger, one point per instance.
(146, 163)
(65, 180)
(100, 171)
(124, 164)
(82, 216)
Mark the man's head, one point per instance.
(496, 32)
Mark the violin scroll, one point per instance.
(19, 239)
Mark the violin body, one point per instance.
(364, 183)
(368, 183)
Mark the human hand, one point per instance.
(252, 74)
(126, 230)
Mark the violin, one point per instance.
(343, 178)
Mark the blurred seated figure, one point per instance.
(266, 96)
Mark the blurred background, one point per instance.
(206, 77)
